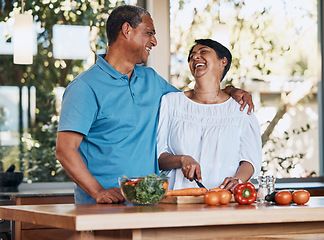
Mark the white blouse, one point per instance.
(217, 136)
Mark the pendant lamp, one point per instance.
(23, 38)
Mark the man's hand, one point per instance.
(190, 167)
(111, 195)
(242, 97)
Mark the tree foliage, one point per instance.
(262, 42)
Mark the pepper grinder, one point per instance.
(271, 184)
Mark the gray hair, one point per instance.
(125, 13)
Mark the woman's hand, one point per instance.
(111, 195)
(242, 97)
(230, 183)
(243, 174)
(190, 168)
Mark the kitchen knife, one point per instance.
(199, 183)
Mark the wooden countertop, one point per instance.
(86, 217)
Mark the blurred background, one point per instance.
(276, 50)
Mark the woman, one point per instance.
(202, 133)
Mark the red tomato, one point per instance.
(283, 197)
(211, 198)
(300, 197)
(225, 196)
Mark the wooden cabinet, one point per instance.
(29, 231)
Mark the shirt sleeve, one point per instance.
(166, 86)
(163, 128)
(79, 108)
(251, 149)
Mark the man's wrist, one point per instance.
(229, 89)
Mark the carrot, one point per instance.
(186, 192)
(132, 183)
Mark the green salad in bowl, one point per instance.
(145, 190)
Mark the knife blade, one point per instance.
(199, 183)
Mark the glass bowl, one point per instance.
(146, 190)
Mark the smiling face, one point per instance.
(143, 40)
(203, 61)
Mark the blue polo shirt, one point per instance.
(118, 119)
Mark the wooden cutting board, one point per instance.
(182, 199)
(186, 199)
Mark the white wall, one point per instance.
(160, 56)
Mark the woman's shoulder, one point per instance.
(175, 100)
(231, 108)
(236, 107)
(173, 95)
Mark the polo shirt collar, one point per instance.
(105, 66)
